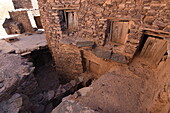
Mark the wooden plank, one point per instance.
(157, 35)
(158, 44)
(124, 32)
(153, 50)
(161, 53)
(121, 18)
(149, 47)
(75, 20)
(155, 30)
(150, 50)
(64, 8)
(144, 49)
(70, 10)
(72, 21)
(119, 32)
(114, 32)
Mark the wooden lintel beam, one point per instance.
(157, 31)
(157, 35)
(120, 19)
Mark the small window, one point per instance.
(119, 31)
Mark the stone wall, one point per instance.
(22, 4)
(69, 61)
(23, 18)
(94, 18)
(13, 27)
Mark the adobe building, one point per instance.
(91, 35)
(25, 17)
(25, 4)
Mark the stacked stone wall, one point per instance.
(22, 4)
(94, 19)
(22, 17)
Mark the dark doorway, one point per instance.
(38, 22)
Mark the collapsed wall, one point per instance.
(16, 76)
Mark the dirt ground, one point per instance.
(134, 88)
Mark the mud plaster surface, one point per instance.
(136, 88)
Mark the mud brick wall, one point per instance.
(68, 62)
(24, 4)
(94, 17)
(22, 17)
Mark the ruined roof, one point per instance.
(25, 44)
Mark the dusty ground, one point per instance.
(137, 88)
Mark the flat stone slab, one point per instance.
(102, 53)
(119, 58)
(67, 41)
(24, 44)
(84, 43)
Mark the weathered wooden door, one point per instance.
(119, 32)
(72, 21)
(153, 50)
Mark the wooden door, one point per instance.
(119, 31)
(154, 50)
(72, 21)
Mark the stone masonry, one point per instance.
(23, 18)
(94, 19)
(25, 4)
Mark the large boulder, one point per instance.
(15, 104)
(70, 106)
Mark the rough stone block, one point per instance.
(72, 107)
(84, 43)
(12, 39)
(119, 58)
(66, 41)
(50, 0)
(102, 53)
(159, 24)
